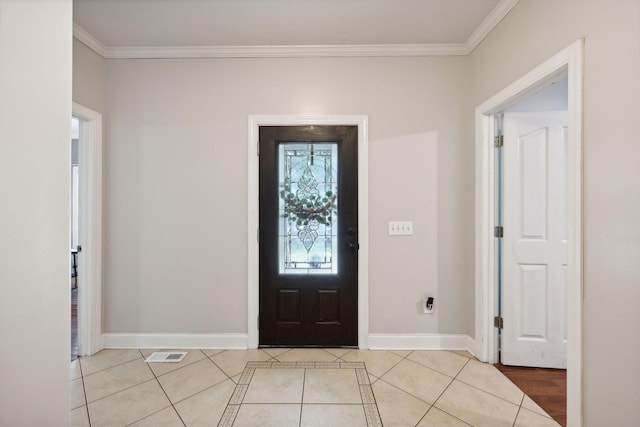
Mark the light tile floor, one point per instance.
(322, 393)
(411, 388)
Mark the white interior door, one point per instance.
(89, 211)
(534, 263)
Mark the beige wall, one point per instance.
(35, 134)
(176, 185)
(88, 77)
(532, 32)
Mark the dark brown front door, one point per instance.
(308, 235)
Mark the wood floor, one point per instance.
(547, 387)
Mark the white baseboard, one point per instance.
(421, 342)
(240, 341)
(176, 341)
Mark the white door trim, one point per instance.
(568, 61)
(255, 121)
(90, 259)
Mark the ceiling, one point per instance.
(114, 26)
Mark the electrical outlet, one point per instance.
(428, 305)
(400, 228)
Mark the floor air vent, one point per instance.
(166, 356)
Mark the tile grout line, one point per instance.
(488, 392)
(165, 393)
(82, 376)
(304, 380)
(229, 405)
(492, 394)
(120, 391)
(518, 413)
(84, 391)
(387, 371)
(211, 386)
(216, 365)
(405, 391)
(115, 392)
(434, 369)
(284, 352)
(446, 388)
(112, 366)
(413, 395)
(443, 391)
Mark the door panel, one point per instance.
(289, 306)
(535, 240)
(308, 236)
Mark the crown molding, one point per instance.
(89, 40)
(299, 51)
(489, 23)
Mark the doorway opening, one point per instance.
(531, 189)
(566, 63)
(74, 245)
(255, 123)
(86, 234)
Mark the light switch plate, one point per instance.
(400, 228)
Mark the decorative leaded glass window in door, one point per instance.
(308, 207)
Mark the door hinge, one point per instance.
(258, 321)
(258, 147)
(258, 235)
(498, 231)
(498, 141)
(498, 322)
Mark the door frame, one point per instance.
(569, 61)
(90, 231)
(253, 281)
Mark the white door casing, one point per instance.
(569, 61)
(534, 261)
(90, 339)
